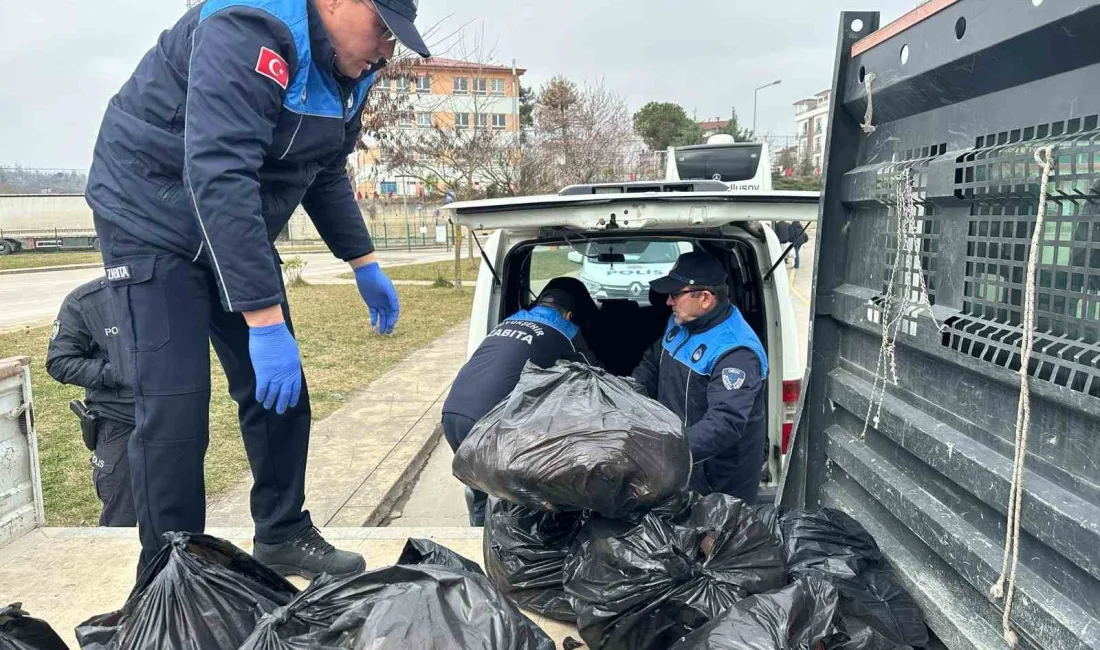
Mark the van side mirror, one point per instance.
(574, 257)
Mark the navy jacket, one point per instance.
(711, 372)
(540, 335)
(235, 117)
(86, 350)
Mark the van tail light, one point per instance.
(792, 390)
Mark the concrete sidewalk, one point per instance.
(364, 456)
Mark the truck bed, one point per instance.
(66, 575)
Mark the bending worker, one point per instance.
(242, 110)
(542, 335)
(86, 350)
(709, 368)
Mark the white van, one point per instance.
(538, 238)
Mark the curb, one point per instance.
(49, 269)
(405, 481)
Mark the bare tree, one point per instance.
(586, 133)
(464, 148)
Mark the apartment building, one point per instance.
(811, 118)
(448, 94)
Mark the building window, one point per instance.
(500, 121)
(462, 120)
(482, 120)
(424, 120)
(498, 87)
(405, 120)
(818, 123)
(424, 84)
(462, 86)
(480, 86)
(403, 85)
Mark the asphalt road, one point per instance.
(34, 298)
(437, 499)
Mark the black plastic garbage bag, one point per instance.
(20, 631)
(525, 552)
(425, 551)
(198, 592)
(399, 608)
(651, 584)
(796, 617)
(769, 515)
(876, 612)
(574, 437)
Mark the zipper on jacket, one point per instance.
(294, 135)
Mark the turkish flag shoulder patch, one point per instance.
(273, 66)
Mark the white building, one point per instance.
(811, 118)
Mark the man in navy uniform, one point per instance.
(709, 369)
(542, 335)
(86, 350)
(242, 110)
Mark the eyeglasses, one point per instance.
(386, 34)
(676, 296)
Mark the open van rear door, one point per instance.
(930, 200)
(617, 207)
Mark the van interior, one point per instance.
(619, 330)
(622, 328)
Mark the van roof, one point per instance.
(636, 210)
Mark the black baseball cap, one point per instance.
(558, 298)
(399, 16)
(696, 269)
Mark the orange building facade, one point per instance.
(443, 93)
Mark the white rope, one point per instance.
(908, 249)
(1023, 409)
(867, 126)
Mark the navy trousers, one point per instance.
(455, 429)
(168, 314)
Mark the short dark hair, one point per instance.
(721, 291)
(558, 308)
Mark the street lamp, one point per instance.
(774, 83)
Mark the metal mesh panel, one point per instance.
(1002, 177)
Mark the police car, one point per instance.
(642, 261)
(615, 237)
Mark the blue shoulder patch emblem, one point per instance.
(733, 378)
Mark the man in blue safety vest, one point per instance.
(709, 368)
(242, 111)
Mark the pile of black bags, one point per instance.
(20, 631)
(589, 521)
(875, 611)
(197, 592)
(202, 592)
(525, 551)
(646, 586)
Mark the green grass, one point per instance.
(549, 264)
(339, 352)
(25, 260)
(430, 271)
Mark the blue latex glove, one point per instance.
(381, 298)
(278, 366)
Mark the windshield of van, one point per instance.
(653, 252)
(643, 261)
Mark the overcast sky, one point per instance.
(63, 59)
